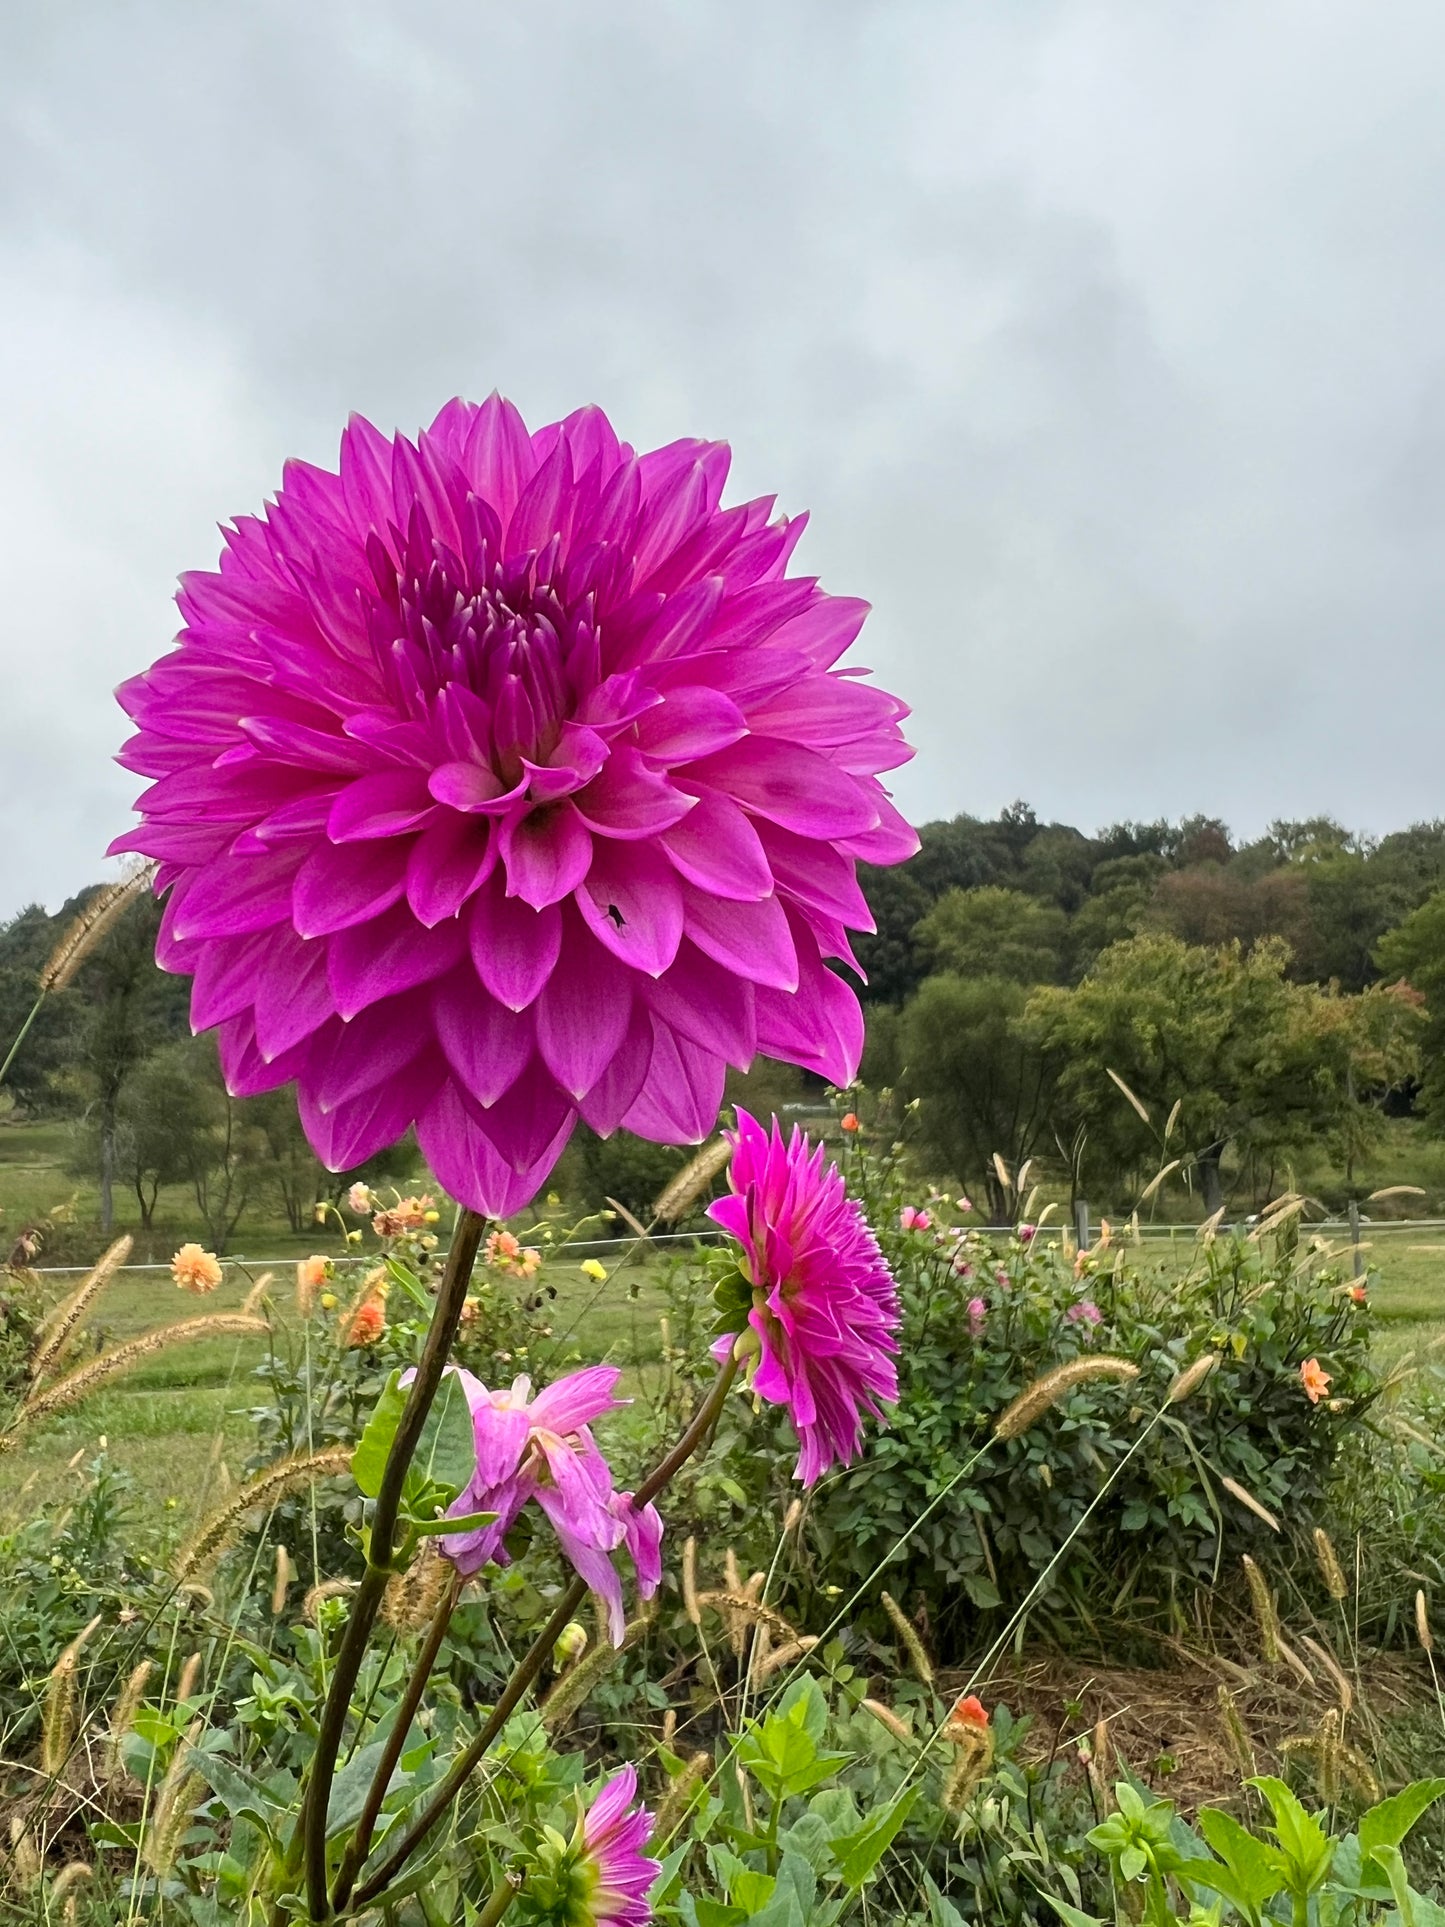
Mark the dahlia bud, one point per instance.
(571, 1643)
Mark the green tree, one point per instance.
(985, 1085)
(1255, 1063)
(1415, 953)
(993, 932)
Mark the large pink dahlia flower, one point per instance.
(824, 1306)
(503, 778)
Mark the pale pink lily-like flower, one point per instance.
(911, 1219)
(542, 1448)
(1085, 1312)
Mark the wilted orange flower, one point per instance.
(368, 1322)
(196, 1270)
(967, 1716)
(1359, 1294)
(1315, 1379)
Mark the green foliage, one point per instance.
(994, 932)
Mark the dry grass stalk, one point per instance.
(57, 1329)
(212, 1536)
(25, 1857)
(678, 1798)
(781, 1656)
(791, 1517)
(1328, 1562)
(908, 1633)
(1422, 1624)
(58, 1724)
(696, 1176)
(1275, 1215)
(1296, 1665)
(741, 1610)
(256, 1296)
(1328, 1664)
(689, 1582)
(885, 1716)
(637, 1228)
(1045, 1392)
(82, 934)
(1114, 1075)
(1002, 1169)
(281, 1584)
(84, 1379)
(1250, 1503)
(1210, 1226)
(1158, 1178)
(72, 1875)
(122, 1719)
(1191, 1378)
(1265, 1617)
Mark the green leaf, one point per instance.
(1387, 1824)
(350, 1787)
(805, 1692)
(1255, 1866)
(1306, 1849)
(368, 1461)
(244, 1796)
(1390, 1859)
(858, 1853)
(404, 1276)
(447, 1453)
(464, 1522)
(1071, 1916)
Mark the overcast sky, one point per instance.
(1105, 343)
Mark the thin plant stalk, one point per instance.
(533, 1660)
(381, 1547)
(14, 1049)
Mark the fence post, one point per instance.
(1081, 1223)
(1354, 1213)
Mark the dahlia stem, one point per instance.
(503, 1895)
(381, 1546)
(467, 1761)
(359, 1844)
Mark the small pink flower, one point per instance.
(963, 1204)
(1086, 1312)
(1002, 1276)
(1026, 1233)
(911, 1220)
(977, 1312)
(609, 1843)
(962, 1268)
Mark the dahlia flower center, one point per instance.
(489, 652)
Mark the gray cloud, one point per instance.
(1103, 342)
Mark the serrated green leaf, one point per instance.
(1387, 1824)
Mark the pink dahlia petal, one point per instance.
(525, 748)
(616, 1874)
(825, 1309)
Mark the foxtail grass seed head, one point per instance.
(1236, 1733)
(1328, 1562)
(678, 1799)
(190, 1679)
(84, 1379)
(57, 1330)
(1330, 1666)
(122, 1719)
(281, 1584)
(1250, 1503)
(58, 1722)
(85, 931)
(1422, 1624)
(1192, 1377)
(785, 1655)
(72, 1875)
(908, 1633)
(412, 1597)
(26, 1864)
(268, 1488)
(1265, 1618)
(692, 1181)
(689, 1582)
(180, 1791)
(791, 1517)
(885, 1716)
(256, 1297)
(1046, 1392)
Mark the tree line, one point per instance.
(1158, 998)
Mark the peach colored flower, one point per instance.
(1358, 1294)
(368, 1322)
(502, 1249)
(1315, 1379)
(850, 1121)
(196, 1270)
(311, 1274)
(360, 1200)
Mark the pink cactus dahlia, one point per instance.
(501, 779)
(611, 1873)
(824, 1305)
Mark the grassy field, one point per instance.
(168, 1417)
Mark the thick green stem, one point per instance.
(360, 1843)
(531, 1664)
(502, 1898)
(381, 1547)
